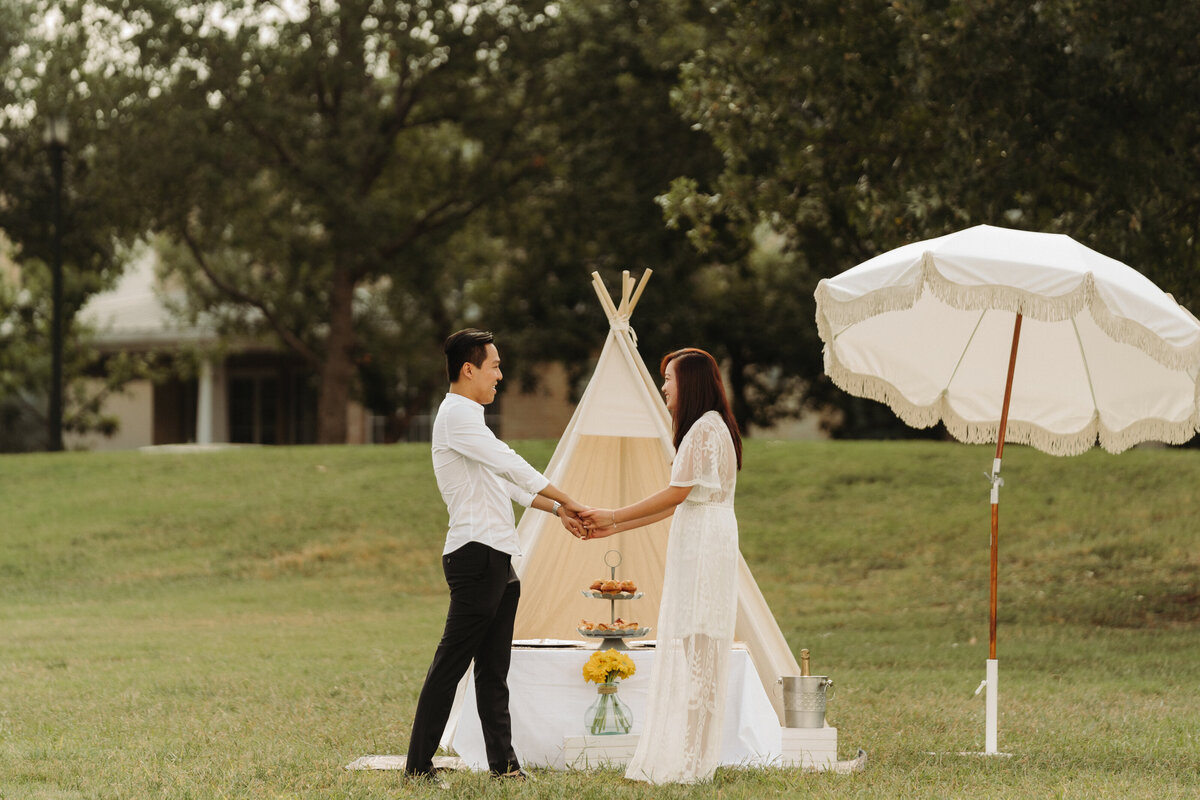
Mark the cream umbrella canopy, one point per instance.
(1007, 335)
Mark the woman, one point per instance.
(681, 737)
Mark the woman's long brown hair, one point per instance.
(698, 390)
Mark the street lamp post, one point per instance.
(56, 134)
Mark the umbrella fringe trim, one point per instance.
(1132, 333)
(1063, 307)
(831, 311)
(1018, 431)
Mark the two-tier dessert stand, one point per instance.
(613, 637)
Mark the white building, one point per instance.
(245, 392)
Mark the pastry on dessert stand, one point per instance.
(616, 630)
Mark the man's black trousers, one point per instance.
(484, 592)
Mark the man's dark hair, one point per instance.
(466, 345)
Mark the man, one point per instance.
(478, 476)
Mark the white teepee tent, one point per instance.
(617, 449)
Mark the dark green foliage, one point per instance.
(357, 179)
(852, 127)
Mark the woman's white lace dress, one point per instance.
(681, 735)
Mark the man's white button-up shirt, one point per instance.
(479, 476)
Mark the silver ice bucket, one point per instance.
(804, 699)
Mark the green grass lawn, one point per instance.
(243, 624)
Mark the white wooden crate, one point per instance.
(812, 748)
(586, 752)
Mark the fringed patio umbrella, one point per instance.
(1007, 335)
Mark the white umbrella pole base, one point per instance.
(992, 684)
(993, 698)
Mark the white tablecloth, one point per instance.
(548, 698)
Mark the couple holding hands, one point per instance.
(479, 477)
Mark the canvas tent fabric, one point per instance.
(616, 450)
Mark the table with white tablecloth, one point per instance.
(549, 698)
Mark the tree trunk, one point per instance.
(337, 370)
(740, 406)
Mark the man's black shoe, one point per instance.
(426, 776)
(516, 775)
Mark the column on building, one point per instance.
(212, 413)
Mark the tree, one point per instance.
(311, 158)
(851, 127)
(1087, 125)
(46, 70)
(616, 144)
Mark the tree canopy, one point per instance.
(851, 127)
(357, 179)
(50, 70)
(308, 155)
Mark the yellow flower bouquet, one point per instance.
(608, 715)
(605, 665)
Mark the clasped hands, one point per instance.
(584, 522)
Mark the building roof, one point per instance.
(137, 312)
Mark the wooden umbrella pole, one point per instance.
(1012, 363)
(992, 681)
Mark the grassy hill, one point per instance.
(244, 623)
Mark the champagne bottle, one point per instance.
(804, 663)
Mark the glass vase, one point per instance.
(607, 716)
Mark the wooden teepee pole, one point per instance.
(626, 289)
(629, 294)
(637, 295)
(606, 302)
